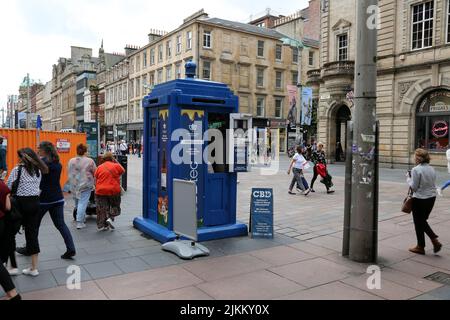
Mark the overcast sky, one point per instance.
(35, 33)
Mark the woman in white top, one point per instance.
(447, 184)
(298, 162)
(422, 181)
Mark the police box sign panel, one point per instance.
(63, 145)
(261, 215)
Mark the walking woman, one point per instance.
(81, 180)
(422, 181)
(5, 275)
(319, 159)
(52, 198)
(298, 162)
(29, 175)
(108, 191)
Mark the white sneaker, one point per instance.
(439, 191)
(109, 222)
(307, 192)
(81, 225)
(29, 272)
(102, 229)
(14, 272)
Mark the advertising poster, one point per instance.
(163, 199)
(307, 106)
(192, 120)
(91, 131)
(292, 94)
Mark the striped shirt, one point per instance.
(29, 186)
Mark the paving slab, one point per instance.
(332, 291)
(146, 283)
(102, 269)
(224, 267)
(257, 285)
(130, 265)
(278, 256)
(311, 273)
(188, 293)
(89, 291)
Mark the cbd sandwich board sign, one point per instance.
(261, 215)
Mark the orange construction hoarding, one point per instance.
(66, 144)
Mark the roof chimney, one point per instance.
(155, 35)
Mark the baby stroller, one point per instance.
(91, 208)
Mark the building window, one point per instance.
(260, 112)
(144, 85)
(178, 71)
(160, 76)
(138, 63)
(260, 48)
(145, 59)
(278, 52)
(206, 70)
(448, 21)
(261, 25)
(295, 55)
(169, 49)
(278, 79)
(207, 39)
(138, 88)
(260, 77)
(152, 56)
(433, 120)
(152, 80)
(342, 47)
(189, 40)
(278, 107)
(160, 53)
(179, 45)
(422, 25)
(295, 78)
(311, 58)
(124, 92)
(169, 73)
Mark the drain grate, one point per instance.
(440, 277)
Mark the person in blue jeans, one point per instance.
(81, 181)
(52, 198)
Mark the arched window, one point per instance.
(432, 121)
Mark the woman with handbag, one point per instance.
(108, 191)
(298, 163)
(27, 175)
(320, 168)
(422, 181)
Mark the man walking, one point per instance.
(123, 148)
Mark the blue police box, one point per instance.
(183, 122)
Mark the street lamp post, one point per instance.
(364, 216)
(299, 45)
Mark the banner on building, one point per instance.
(307, 106)
(292, 116)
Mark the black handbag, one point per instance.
(15, 214)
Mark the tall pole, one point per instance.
(363, 222)
(28, 101)
(300, 88)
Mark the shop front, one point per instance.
(121, 132)
(135, 131)
(432, 121)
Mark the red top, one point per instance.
(107, 177)
(4, 191)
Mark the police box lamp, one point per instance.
(179, 116)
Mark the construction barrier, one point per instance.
(66, 144)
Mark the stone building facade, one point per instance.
(116, 100)
(250, 59)
(413, 85)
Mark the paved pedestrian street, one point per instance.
(303, 261)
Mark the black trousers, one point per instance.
(421, 212)
(7, 242)
(316, 175)
(29, 207)
(5, 279)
